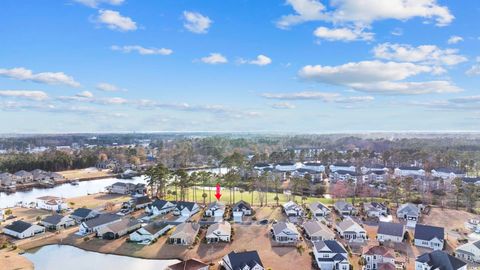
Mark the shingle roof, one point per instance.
(81, 212)
(155, 227)
(182, 205)
(440, 260)
(224, 228)
(427, 232)
(53, 219)
(142, 200)
(190, 264)
(239, 260)
(332, 245)
(242, 205)
(315, 227)
(390, 228)
(159, 204)
(18, 226)
(101, 219)
(379, 250)
(284, 227)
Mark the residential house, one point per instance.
(24, 176)
(439, 260)
(409, 171)
(219, 232)
(342, 175)
(263, 166)
(184, 234)
(389, 231)
(159, 207)
(215, 209)
(121, 188)
(51, 203)
(409, 212)
(374, 168)
(95, 224)
(285, 232)
(429, 236)
(318, 209)
(377, 176)
(141, 202)
(292, 209)
(118, 229)
(57, 222)
(21, 229)
(190, 264)
(351, 230)
(314, 166)
(469, 252)
(185, 209)
(342, 167)
(287, 166)
(149, 233)
(448, 173)
(240, 209)
(39, 175)
(330, 255)
(316, 231)
(83, 214)
(8, 179)
(379, 258)
(248, 260)
(344, 208)
(375, 209)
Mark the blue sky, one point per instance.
(285, 66)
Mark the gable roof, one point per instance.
(159, 204)
(190, 264)
(241, 259)
(242, 205)
(141, 200)
(286, 227)
(182, 205)
(53, 219)
(427, 232)
(390, 228)
(81, 212)
(318, 206)
(155, 227)
(101, 219)
(316, 227)
(409, 208)
(223, 227)
(379, 250)
(343, 206)
(440, 260)
(329, 246)
(188, 229)
(349, 224)
(19, 226)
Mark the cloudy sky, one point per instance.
(239, 65)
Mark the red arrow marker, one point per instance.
(217, 194)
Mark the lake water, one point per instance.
(64, 190)
(61, 257)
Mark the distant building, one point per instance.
(448, 173)
(159, 207)
(409, 171)
(24, 176)
(342, 167)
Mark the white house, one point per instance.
(184, 234)
(342, 175)
(118, 229)
(248, 260)
(316, 231)
(95, 224)
(342, 167)
(215, 209)
(439, 260)
(285, 232)
(374, 168)
(389, 231)
(448, 173)
(377, 176)
(351, 230)
(375, 209)
(185, 209)
(409, 212)
(314, 166)
(429, 236)
(379, 257)
(149, 233)
(287, 166)
(409, 171)
(292, 209)
(318, 209)
(51, 203)
(159, 207)
(21, 229)
(344, 208)
(121, 188)
(240, 209)
(57, 222)
(469, 252)
(331, 255)
(219, 232)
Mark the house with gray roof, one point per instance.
(469, 252)
(149, 233)
(83, 214)
(24, 176)
(118, 229)
(331, 255)
(344, 208)
(57, 222)
(21, 229)
(285, 232)
(240, 209)
(219, 232)
(318, 209)
(389, 231)
(215, 209)
(317, 231)
(410, 213)
(439, 260)
(185, 209)
(184, 234)
(429, 236)
(95, 224)
(375, 209)
(159, 207)
(292, 209)
(248, 260)
(350, 230)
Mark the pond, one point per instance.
(64, 190)
(61, 257)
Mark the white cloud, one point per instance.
(214, 58)
(142, 50)
(85, 94)
(397, 32)
(306, 95)
(378, 77)
(454, 39)
(26, 94)
(196, 22)
(261, 60)
(355, 99)
(475, 69)
(283, 105)
(96, 3)
(115, 21)
(427, 54)
(364, 12)
(107, 87)
(342, 34)
(24, 74)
